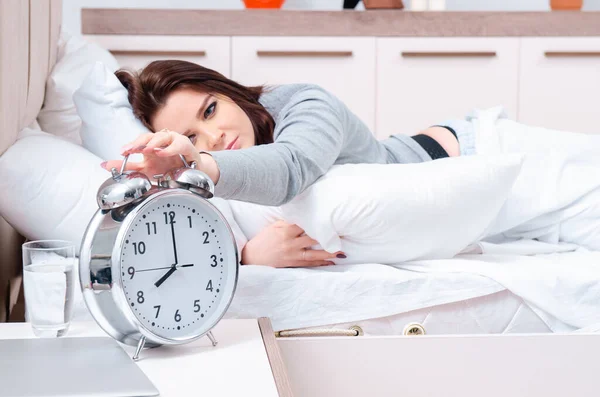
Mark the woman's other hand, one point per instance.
(161, 152)
(285, 245)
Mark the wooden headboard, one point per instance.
(29, 31)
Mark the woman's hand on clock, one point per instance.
(285, 245)
(161, 152)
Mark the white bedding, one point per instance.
(563, 289)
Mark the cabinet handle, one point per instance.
(159, 52)
(448, 54)
(262, 53)
(572, 54)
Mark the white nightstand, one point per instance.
(246, 361)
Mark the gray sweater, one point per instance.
(313, 131)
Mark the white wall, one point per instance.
(72, 8)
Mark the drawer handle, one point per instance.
(159, 52)
(580, 54)
(333, 54)
(449, 54)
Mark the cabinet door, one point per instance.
(560, 83)
(135, 52)
(343, 66)
(423, 81)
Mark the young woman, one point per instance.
(263, 145)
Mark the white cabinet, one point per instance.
(135, 52)
(560, 83)
(423, 81)
(345, 66)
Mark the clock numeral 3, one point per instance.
(209, 287)
(139, 248)
(157, 310)
(214, 259)
(197, 306)
(140, 295)
(169, 217)
(150, 229)
(205, 234)
(177, 316)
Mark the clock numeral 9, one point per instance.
(149, 229)
(205, 234)
(139, 248)
(214, 259)
(131, 272)
(169, 217)
(177, 316)
(196, 305)
(140, 295)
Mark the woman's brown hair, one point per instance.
(149, 89)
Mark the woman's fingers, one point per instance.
(130, 166)
(138, 144)
(311, 264)
(160, 139)
(309, 255)
(306, 242)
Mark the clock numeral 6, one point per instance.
(139, 248)
(196, 305)
(140, 295)
(177, 316)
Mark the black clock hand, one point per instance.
(188, 265)
(166, 276)
(174, 247)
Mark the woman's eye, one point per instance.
(192, 138)
(210, 110)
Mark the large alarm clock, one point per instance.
(158, 262)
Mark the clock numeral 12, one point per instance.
(169, 217)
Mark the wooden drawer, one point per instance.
(137, 51)
(423, 81)
(344, 66)
(560, 83)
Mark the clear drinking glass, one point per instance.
(48, 281)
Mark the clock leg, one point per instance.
(212, 338)
(139, 348)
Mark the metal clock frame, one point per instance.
(101, 279)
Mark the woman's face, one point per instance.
(211, 122)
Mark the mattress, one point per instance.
(498, 313)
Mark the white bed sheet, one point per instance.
(499, 313)
(562, 289)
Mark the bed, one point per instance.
(485, 290)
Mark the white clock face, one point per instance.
(178, 266)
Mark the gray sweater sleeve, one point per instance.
(308, 139)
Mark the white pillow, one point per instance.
(50, 188)
(391, 213)
(108, 120)
(74, 61)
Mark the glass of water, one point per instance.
(48, 281)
